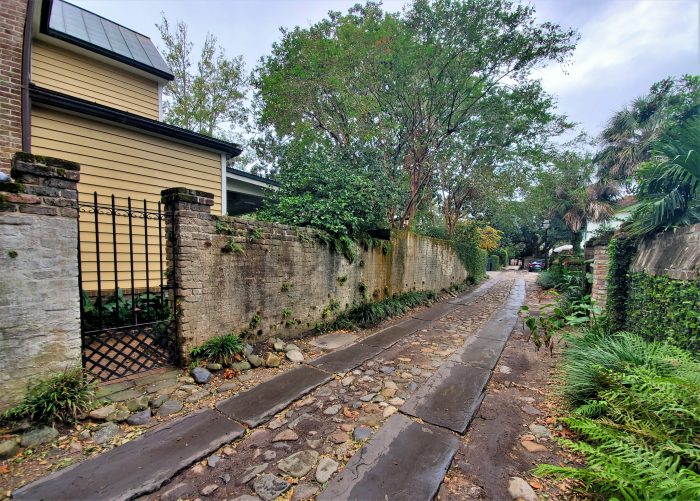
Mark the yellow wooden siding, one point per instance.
(125, 163)
(61, 70)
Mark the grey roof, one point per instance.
(81, 27)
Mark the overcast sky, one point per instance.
(625, 45)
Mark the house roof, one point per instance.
(85, 29)
(254, 177)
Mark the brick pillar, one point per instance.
(189, 227)
(599, 290)
(39, 298)
(12, 16)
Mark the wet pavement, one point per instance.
(343, 425)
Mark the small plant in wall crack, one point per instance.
(342, 279)
(254, 234)
(223, 228)
(286, 287)
(287, 316)
(255, 321)
(233, 247)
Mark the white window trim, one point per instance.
(223, 185)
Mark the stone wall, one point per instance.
(279, 280)
(39, 300)
(12, 15)
(675, 254)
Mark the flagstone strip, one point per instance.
(346, 359)
(480, 352)
(389, 336)
(453, 394)
(502, 322)
(140, 466)
(263, 401)
(404, 461)
(450, 397)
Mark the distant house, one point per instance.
(622, 212)
(95, 95)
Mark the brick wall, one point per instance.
(675, 254)
(12, 16)
(284, 279)
(39, 300)
(599, 288)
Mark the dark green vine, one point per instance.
(621, 251)
(660, 308)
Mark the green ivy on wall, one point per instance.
(660, 308)
(621, 251)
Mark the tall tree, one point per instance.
(402, 85)
(668, 186)
(208, 98)
(626, 141)
(578, 198)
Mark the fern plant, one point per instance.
(637, 418)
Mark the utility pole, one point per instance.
(545, 225)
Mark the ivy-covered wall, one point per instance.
(654, 287)
(661, 308)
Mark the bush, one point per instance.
(637, 418)
(473, 258)
(220, 349)
(61, 398)
(548, 279)
(369, 314)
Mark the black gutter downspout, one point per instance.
(26, 73)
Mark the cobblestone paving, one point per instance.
(308, 442)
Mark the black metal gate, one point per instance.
(126, 308)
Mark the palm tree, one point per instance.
(577, 198)
(668, 191)
(630, 134)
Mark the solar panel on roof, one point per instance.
(79, 24)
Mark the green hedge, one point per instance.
(660, 308)
(473, 259)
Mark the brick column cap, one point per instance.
(171, 195)
(58, 163)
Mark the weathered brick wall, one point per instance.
(284, 281)
(599, 288)
(39, 300)
(12, 15)
(675, 254)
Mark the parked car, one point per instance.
(536, 265)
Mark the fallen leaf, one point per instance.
(535, 484)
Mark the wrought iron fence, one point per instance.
(126, 307)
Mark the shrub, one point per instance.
(548, 279)
(637, 418)
(60, 398)
(219, 349)
(591, 358)
(369, 314)
(466, 240)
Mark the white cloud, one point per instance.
(624, 39)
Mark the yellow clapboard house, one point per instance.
(96, 98)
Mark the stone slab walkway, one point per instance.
(404, 460)
(145, 464)
(141, 465)
(407, 460)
